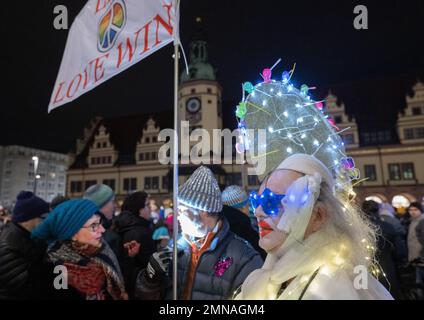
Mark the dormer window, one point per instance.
(154, 139)
(338, 119)
(408, 133)
(416, 111)
(98, 145)
(104, 144)
(147, 140)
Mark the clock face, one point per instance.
(193, 105)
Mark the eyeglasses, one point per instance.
(270, 202)
(94, 226)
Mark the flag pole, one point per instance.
(175, 171)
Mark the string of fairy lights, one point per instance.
(294, 123)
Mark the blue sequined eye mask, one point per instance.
(270, 202)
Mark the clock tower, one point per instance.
(199, 92)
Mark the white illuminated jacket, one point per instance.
(312, 280)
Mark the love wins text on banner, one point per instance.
(107, 37)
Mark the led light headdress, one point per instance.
(294, 123)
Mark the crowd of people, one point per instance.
(302, 244)
(400, 253)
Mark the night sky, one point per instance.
(370, 70)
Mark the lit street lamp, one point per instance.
(36, 176)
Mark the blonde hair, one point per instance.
(348, 226)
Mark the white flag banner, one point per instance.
(109, 36)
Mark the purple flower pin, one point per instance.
(222, 265)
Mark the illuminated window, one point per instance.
(130, 184)
(155, 183)
(370, 172)
(394, 171)
(76, 186)
(408, 171)
(147, 183)
(110, 183)
(402, 171)
(89, 183)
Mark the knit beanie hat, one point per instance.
(417, 205)
(65, 220)
(134, 202)
(28, 206)
(160, 233)
(370, 207)
(201, 191)
(58, 200)
(234, 196)
(100, 194)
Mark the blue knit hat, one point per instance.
(161, 233)
(65, 220)
(100, 194)
(28, 206)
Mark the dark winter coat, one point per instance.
(23, 271)
(112, 238)
(131, 227)
(394, 232)
(208, 284)
(396, 223)
(391, 251)
(241, 226)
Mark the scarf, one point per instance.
(197, 249)
(301, 260)
(93, 271)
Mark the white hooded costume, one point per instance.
(313, 265)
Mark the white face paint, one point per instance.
(271, 238)
(191, 223)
